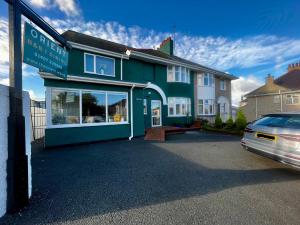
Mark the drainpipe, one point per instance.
(131, 111)
(280, 95)
(122, 68)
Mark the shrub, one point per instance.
(218, 121)
(229, 123)
(241, 121)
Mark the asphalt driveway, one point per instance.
(195, 178)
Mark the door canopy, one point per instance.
(159, 90)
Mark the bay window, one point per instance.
(80, 107)
(100, 65)
(178, 74)
(178, 106)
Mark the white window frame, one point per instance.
(178, 101)
(160, 119)
(223, 85)
(94, 72)
(292, 96)
(80, 124)
(204, 104)
(145, 106)
(182, 79)
(210, 80)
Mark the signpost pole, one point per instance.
(17, 162)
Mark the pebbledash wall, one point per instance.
(4, 112)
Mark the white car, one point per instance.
(276, 136)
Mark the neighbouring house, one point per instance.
(213, 95)
(116, 91)
(277, 95)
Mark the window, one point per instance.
(89, 63)
(117, 107)
(199, 79)
(99, 65)
(208, 80)
(276, 99)
(223, 85)
(145, 106)
(178, 74)
(208, 108)
(292, 99)
(65, 107)
(97, 107)
(179, 106)
(93, 107)
(200, 106)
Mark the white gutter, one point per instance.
(92, 80)
(273, 93)
(131, 112)
(97, 50)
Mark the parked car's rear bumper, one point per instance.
(289, 159)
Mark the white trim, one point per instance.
(159, 90)
(81, 124)
(131, 112)
(97, 50)
(187, 104)
(160, 111)
(95, 66)
(91, 80)
(121, 72)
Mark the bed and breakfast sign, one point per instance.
(43, 53)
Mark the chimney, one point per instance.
(294, 66)
(167, 46)
(269, 79)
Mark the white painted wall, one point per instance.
(4, 112)
(204, 92)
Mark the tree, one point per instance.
(241, 121)
(229, 123)
(218, 121)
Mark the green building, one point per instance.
(115, 91)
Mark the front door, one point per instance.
(155, 113)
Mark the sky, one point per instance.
(249, 39)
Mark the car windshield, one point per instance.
(284, 121)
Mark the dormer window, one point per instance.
(100, 65)
(178, 74)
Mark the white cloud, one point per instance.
(32, 94)
(4, 81)
(69, 7)
(242, 86)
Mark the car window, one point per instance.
(284, 121)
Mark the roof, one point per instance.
(289, 81)
(84, 39)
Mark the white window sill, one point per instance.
(178, 115)
(84, 125)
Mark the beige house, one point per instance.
(212, 96)
(277, 95)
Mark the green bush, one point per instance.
(241, 121)
(229, 123)
(218, 121)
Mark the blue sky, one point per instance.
(246, 38)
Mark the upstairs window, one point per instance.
(100, 65)
(222, 85)
(178, 74)
(206, 80)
